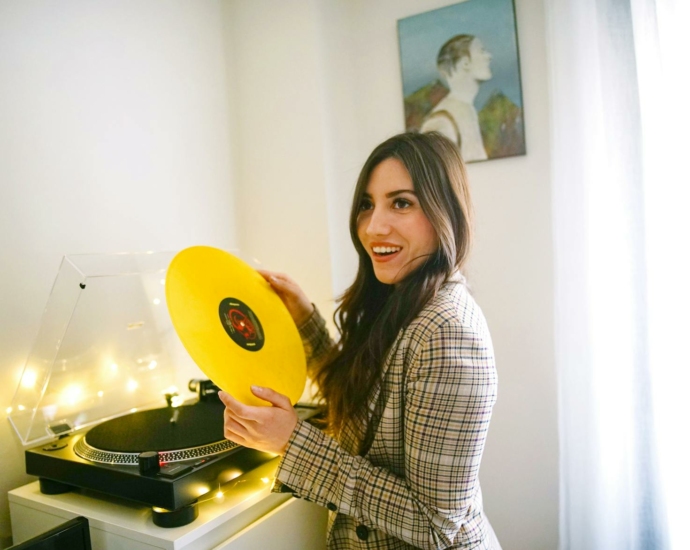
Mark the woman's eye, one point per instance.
(401, 203)
(365, 205)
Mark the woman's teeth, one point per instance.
(386, 249)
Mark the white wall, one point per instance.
(278, 127)
(512, 274)
(121, 131)
(114, 136)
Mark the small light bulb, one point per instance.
(153, 365)
(200, 490)
(72, 394)
(29, 379)
(100, 393)
(8, 410)
(113, 367)
(229, 475)
(265, 479)
(156, 301)
(21, 407)
(162, 281)
(132, 384)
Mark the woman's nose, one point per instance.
(378, 223)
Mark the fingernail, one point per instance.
(257, 389)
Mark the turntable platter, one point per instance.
(197, 431)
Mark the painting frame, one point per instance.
(461, 76)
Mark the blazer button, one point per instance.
(362, 532)
(332, 507)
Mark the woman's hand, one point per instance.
(291, 294)
(262, 428)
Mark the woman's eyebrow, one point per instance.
(394, 193)
(400, 192)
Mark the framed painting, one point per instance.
(461, 77)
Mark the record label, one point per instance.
(241, 324)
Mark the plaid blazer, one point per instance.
(417, 485)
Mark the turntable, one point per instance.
(98, 401)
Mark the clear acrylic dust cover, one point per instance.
(106, 347)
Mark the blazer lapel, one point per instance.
(373, 410)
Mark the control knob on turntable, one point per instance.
(149, 463)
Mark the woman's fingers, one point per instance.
(291, 294)
(275, 279)
(263, 428)
(234, 428)
(238, 410)
(235, 437)
(231, 425)
(273, 397)
(280, 281)
(267, 274)
(282, 286)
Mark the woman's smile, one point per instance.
(384, 252)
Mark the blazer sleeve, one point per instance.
(316, 340)
(450, 392)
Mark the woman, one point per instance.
(410, 386)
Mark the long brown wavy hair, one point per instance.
(370, 313)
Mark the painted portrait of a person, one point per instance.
(464, 63)
(460, 73)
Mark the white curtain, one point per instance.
(621, 202)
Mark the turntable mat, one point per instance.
(199, 424)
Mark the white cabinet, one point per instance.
(247, 517)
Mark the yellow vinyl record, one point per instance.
(232, 323)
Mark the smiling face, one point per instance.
(391, 224)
